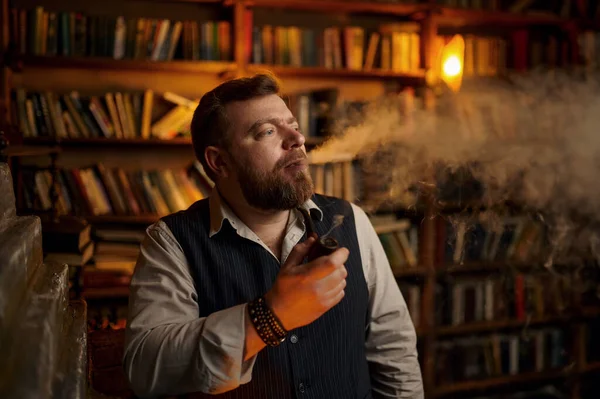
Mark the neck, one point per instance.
(267, 224)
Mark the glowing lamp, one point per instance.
(451, 62)
(452, 67)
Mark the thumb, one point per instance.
(299, 252)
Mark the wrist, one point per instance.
(277, 309)
(266, 324)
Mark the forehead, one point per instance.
(243, 114)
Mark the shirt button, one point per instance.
(294, 339)
(301, 388)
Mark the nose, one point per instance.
(293, 139)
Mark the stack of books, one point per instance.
(68, 241)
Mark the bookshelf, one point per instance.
(410, 78)
(124, 143)
(102, 63)
(192, 77)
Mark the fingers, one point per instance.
(325, 265)
(339, 256)
(335, 299)
(299, 252)
(333, 280)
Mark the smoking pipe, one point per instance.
(324, 245)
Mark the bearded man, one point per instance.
(223, 299)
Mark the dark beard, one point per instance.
(272, 191)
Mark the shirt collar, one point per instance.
(220, 211)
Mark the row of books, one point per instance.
(109, 272)
(515, 239)
(337, 179)
(483, 56)
(110, 269)
(39, 31)
(98, 190)
(401, 245)
(473, 358)
(121, 115)
(395, 47)
(510, 297)
(314, 110)
(495, 55)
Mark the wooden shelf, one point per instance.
(417, 77)
(35, 142)
(418, 271)
(590, 312)
(123, 219)
(591, 367)
(108, 142)
(499, 381)
(103, 293)
(487, 267)
(30, 151)
(105, 63)
(448, 16)
(338, 6)
(489, 326)
(445, 16)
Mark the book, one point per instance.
(72, 258)
(68, 234)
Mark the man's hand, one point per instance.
(304, 292)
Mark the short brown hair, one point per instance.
(210, 124)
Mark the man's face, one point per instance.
(268, 154)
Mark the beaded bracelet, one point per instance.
(265, 322)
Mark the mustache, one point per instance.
(294, 157)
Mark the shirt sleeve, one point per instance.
(169, 350)
(391, 338)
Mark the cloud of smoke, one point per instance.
(532, 140)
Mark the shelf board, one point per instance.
(590, 311)
(591, 367)
(105, 292)
(35, 142)
(123, 219)
(487, 267)
(338, 6)
(105, 63)
(488, 326)
(449, 16)
(341, 73)
(418, 271)
(392, 226)
(108, 142)
(30, 151)
(499, 381)
(445, 16)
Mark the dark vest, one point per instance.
(325, 359)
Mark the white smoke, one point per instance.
(532, 140)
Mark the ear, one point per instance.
(217, 161)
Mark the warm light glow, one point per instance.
(451, 62)
(452, 66)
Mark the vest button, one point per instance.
(294, 339)
(301, 388)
